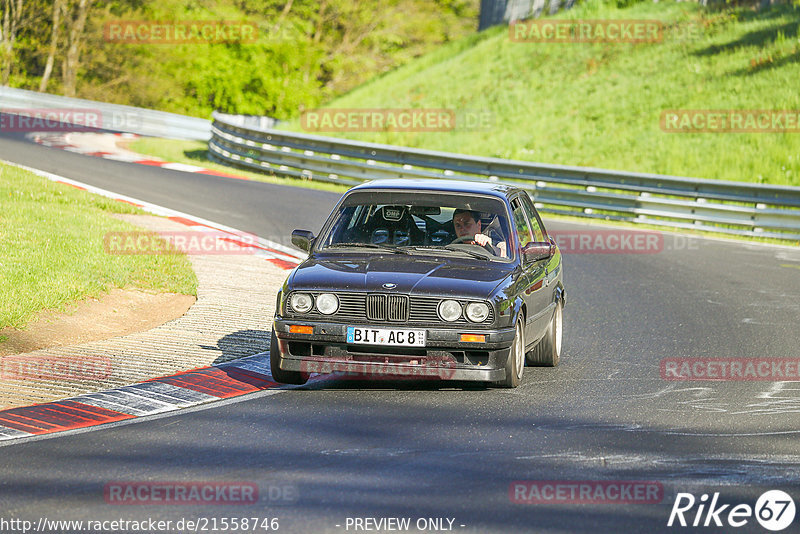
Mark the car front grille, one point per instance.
(392, 308)
(377, 308)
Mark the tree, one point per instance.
(12, 19)
(75, 25)
(58, 9)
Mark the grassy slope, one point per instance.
(51, 249)
(599, 105)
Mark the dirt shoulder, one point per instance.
(118, 313)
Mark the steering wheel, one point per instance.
(471, 239)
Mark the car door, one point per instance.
(546, 301)
(531, 282)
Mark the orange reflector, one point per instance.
(300, 329)
(473, 338)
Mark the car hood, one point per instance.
(412, 274)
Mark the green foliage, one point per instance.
(256, 79)
(315, 50)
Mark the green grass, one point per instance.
(196, 153)
(599, 104)
(52, 254)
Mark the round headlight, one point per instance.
(477, 312)
(449, 310)
(301, 302)
(327, 303)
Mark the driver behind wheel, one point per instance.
(468, 223)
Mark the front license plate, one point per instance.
(385, 336)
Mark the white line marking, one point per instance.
(11, 433)
(182, 167)
(178, 396)
(126, 401)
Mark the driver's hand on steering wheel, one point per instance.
(483, 240)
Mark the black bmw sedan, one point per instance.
(431, 279)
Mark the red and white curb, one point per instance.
(156, 396)
(104, 145)
(275, 253)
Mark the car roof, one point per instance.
(445, 186)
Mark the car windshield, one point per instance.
(452, 224)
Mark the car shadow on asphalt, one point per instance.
(240, 344)
(343, 382)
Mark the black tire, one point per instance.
(515, 364)
(278, 374)
(547, 352)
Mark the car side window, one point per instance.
(538, 232)
(521, 223)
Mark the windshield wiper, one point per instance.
(447, 247)
(393, 250)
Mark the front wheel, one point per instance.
(278, 374)
(548, 351)
(515, 364)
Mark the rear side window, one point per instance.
(536, 227)
(521, 223)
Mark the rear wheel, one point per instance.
(278, 374)
(548, 351)
(515, 364)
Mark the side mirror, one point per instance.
(303, 239)
(537, 251)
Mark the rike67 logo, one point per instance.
(774, 510)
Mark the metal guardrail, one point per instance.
(713, 205)
(114, 117)
(251, 121)
(495, 12)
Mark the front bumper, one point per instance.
(444, 356)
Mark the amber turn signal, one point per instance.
(473, 338)
(300, 329)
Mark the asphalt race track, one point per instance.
(340, 449)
